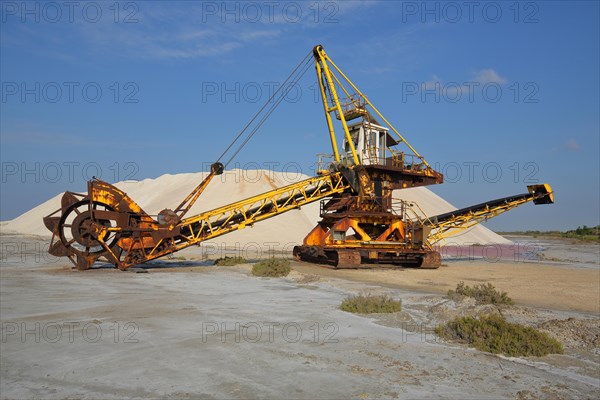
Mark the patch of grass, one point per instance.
(230, 261)
(484, 293)
(367, 304)
(495, 335)
(182, 258)
(273, 267)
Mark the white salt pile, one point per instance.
(283, 231)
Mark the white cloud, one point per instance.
(488, 76)
(454, 88)
(177, 41)
(264, 34)
(158, 31)
(434, 83)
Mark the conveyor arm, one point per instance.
(448, 224)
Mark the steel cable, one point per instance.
(304, 60)
(271, 110)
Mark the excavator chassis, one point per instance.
(358, 232)
(367, 258)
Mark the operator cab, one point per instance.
(371, 142)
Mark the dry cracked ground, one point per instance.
(186, 329)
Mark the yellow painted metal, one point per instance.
(106, 193)
(550, 191)
(336, 106)
(460, 223)
(334, 146)
(189, 201)
(323, 235)
(221, 220)
(376, 110)
(542, 188)
(210, 224)
(463, 222)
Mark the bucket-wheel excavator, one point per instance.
(359, 225)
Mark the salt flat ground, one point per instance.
(189, 330)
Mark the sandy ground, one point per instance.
(189, 330)
(535, 284)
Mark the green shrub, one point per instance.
(495, 335)
(367, 304)
(482, 293)
(273, 267)
(229, 261)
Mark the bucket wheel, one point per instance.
(83, 233)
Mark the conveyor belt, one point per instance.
(451, 223)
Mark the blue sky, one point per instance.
(495, 94)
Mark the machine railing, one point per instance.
(352, 106)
